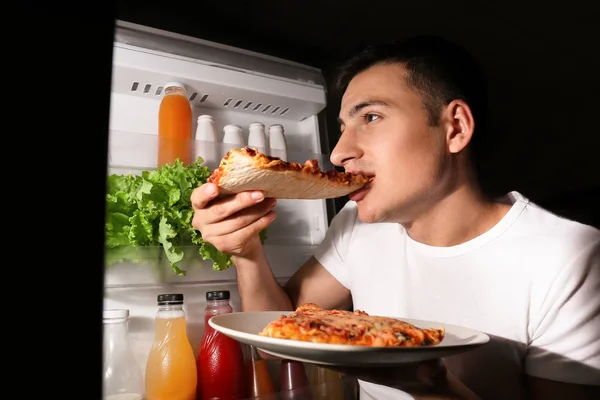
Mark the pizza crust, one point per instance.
(248, 169)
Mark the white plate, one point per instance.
(244, 327)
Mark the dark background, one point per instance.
(542, 61)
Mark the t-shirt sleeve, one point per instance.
(333, 250)
(565, 345)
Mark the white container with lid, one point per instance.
(206, 139)
(206, 129)
(277, 142)
(233, 134)
(257, 137)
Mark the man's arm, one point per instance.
(544, 389)
(310, 284)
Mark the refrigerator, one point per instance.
(234, 86)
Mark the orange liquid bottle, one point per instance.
(259, 379)
(171, 366)
(175, 140)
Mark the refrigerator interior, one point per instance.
(219, 84)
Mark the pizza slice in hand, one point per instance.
(249, 169)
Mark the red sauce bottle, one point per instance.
(220, 362)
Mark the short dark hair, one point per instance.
(438, 69)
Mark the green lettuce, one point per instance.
(154, 209)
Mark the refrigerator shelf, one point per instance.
(150, 267)
(135, 152)
(143, 72)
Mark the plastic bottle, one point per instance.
(277, 142)
(220, 361)
(122, 374)
(294, 381)
(171, 366)
(175, 126)
(206, 138)
(233, 134)
(257, 137)
(259, 379)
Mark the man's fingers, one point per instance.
(254, 228)
(203, 194)
(227, 206)
(242, 218)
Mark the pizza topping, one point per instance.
(311, 323)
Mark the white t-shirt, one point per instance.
(532, 283)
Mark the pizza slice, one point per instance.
(248, 169)
(310, 323)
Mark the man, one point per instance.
(423, 241)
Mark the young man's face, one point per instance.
(386, 133)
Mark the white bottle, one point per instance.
(122, 374)
(257, 137)
(206, 129)
(233, 134)
(277, 142)
(206, 139)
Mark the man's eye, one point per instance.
(370, 117)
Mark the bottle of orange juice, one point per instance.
(171, 366)
(175, 126)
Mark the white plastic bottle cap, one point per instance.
(206, 118)
(276, 127)
(115, 314)
(257, 125)
(174, 84)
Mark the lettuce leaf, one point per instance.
(154, 209)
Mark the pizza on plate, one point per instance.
(248, 169)
(310, 323)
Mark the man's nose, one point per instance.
(345, 150)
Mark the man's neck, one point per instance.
(458, 217)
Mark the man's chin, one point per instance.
(367, 214)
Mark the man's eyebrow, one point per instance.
(359, 106)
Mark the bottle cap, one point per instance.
(172, 298)
(257, 125)
(218, 295)
(115, 314)
(174, 84)
(232, 126)
(206, 118)
(276, 127)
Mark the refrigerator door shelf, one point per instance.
(149, 268)
(142, 72)
(133, 152)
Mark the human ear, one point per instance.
(461, 126)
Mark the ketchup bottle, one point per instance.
(220, 362)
